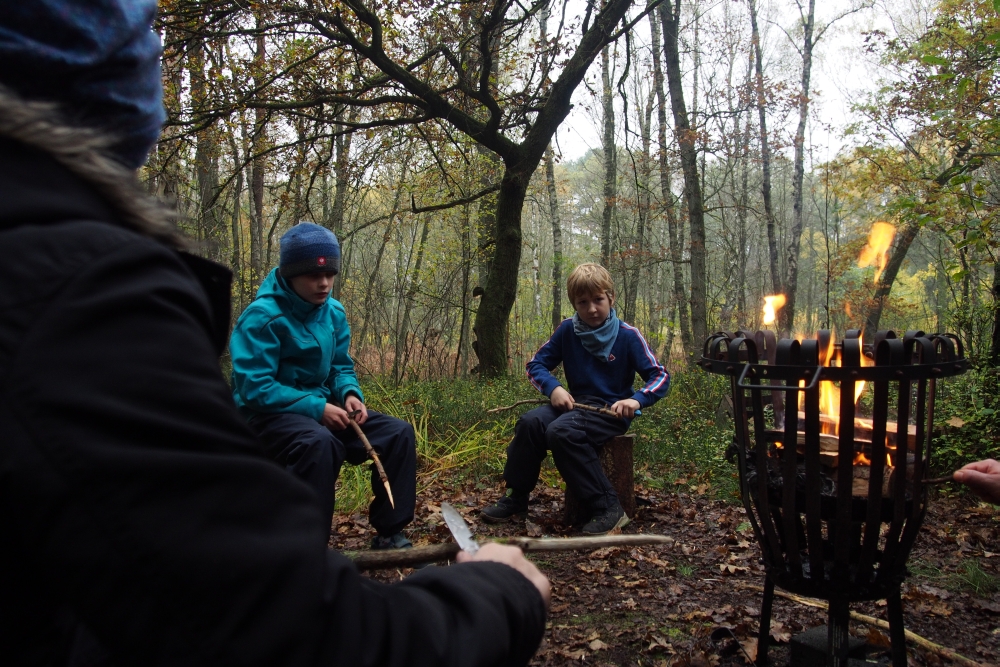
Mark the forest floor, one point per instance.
(697, 602)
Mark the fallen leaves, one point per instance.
(749, 646)
(593, 567)
(659, 605)
(729, 568)
(780, 633)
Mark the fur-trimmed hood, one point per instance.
(33, 140)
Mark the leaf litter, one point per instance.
(665, 606)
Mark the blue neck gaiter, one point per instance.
(598, 341)
(99, 60)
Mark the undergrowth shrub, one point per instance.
(967, 419)
(677, 439)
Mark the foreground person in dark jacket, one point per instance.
(140, 524)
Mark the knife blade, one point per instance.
(459, 528)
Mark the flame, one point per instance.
(829, 393)
(772, 304)
(877, 250)
(861, 460)
(859, 388)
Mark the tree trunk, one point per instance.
(257, 167)
(742, 207)
(995, 341)
(462, 358)
(765, 152)
(666, 193)
(550, 183)
(686, 139)
(402, 336)
(557, 249)
(369, 297)
(617, 461)
(902, 245)
(644, 197)
(501, 286)
(610, 166)
(236, 261)
(206, 160)
(798, 173)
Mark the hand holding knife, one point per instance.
(511, 556)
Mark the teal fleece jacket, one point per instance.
(290, 355)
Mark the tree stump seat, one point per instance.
(617, 462)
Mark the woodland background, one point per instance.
(427, 134)
(725, 165)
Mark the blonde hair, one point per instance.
(588, 279)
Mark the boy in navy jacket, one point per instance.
(600, 355)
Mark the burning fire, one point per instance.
(772, 304)
(829, 393)
(861, 460)
(877, 250)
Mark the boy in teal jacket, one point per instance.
(294, 381)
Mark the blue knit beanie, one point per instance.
(307, 248)
(99, 60)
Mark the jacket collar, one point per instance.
(278, 288)
(36, 189)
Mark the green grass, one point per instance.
(676, 439)
(968, 577)
(976, 580)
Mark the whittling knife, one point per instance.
(459, 529)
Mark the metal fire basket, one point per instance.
(828, 528)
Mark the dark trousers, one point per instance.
(315, 453)
(575, 439)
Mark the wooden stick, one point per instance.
(939, 480)
(927, 644)
(532, 401)
(526, 401)
(391, 558)
(373, 455)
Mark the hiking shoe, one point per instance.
(606, 520)
(511, 505)
(397, 541)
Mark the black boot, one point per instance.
(606, 520)
(513, 504)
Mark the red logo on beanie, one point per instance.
(321, 261)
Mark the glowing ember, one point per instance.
(877, 250)
(772, 304)
(861, 460)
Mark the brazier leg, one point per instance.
(894, 606)
(839, 640)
